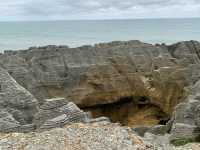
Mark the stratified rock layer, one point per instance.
(154, 79)
(17, 105)
(57, 113)
(102, 74)
(21, 112)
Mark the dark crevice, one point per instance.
(143, 101)
(131, 111)
(164, 121)
(195, 49)
(172, 48)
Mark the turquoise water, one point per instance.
(21, 35)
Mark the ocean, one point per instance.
(21, 35)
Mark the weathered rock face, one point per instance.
(184, 123)
(57, 113)
(142, 78)
(17, 105)
(103, 74)
(185, 118)
(21, 112)
(134, 83)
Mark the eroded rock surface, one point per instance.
(103, 74)
(134, 83)
(17, 105)
(186, 114)
(21, 112)
(57, 113)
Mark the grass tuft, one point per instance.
(182, 141)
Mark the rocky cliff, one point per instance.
(104, 74)
(133, 83)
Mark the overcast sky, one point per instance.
(97, 9)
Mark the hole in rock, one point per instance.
(164, 121)
(130, 111)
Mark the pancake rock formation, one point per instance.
(104, 74)
(153, 89)
(21, 112)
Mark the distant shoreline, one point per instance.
(91, 46)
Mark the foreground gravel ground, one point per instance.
(82, 137)
(75, 137)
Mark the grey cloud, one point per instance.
(54, 6)
(97, 8)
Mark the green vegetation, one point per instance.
(182, 141)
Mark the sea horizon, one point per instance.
(100, 19)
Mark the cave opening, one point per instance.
(163, 121)
(131, 111)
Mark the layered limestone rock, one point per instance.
(184, 123)
(91, 76)
(17, 105)
(57, 113)
(186, 115)
(21, 112)
(133, 83)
